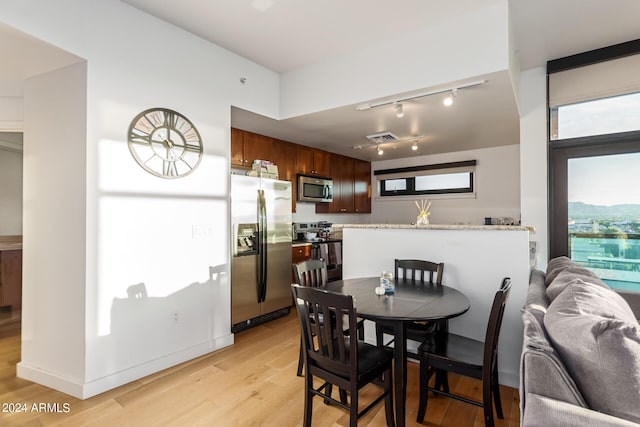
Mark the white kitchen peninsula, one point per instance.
(476, 258)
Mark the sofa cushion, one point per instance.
(594, 331)
(567, 276)
(544, 412)
(542, 371)
(555, 266)
(536, 294)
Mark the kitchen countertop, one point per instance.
(10, 243)
(297, 243)
(438, 227)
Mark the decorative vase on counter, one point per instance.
(423, 219)
(423, 212)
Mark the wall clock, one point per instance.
(165, 143)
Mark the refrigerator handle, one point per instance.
(262, 245)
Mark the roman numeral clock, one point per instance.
(165, 143)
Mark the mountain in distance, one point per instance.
(625, 212)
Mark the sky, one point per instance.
(599, 117)
(605, 180)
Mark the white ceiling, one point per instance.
(283, 35)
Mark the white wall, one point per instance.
(10, 192)
(497, 189)
(53, 291)
(11, 107)
(306, 212)
(469, 44)
(533, 159)
(103, 229)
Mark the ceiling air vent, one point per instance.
(383, 138)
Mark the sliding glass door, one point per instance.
(603, 216)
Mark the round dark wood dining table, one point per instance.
(411, 301)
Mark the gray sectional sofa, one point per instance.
(580, 363)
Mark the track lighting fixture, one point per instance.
(449, 99)
(414, 146)
(453, 90)
(399, 110)
(380, 151)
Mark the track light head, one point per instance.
(380, 151)
(414, 146)
(449, 99)
(399, 110)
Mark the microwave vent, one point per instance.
(383, 138)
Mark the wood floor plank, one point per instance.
(252, 383)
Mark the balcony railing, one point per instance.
(615, 258)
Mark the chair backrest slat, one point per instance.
(322, 316)
(312, 272)
(416, 270)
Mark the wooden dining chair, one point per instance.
(446, 352)
(313, 273)
(335, 358)
(421, 273)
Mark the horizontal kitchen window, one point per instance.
(443, 178)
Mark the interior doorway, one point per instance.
(11, 196)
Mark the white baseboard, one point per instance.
(92, 388)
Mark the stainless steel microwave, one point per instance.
(315, 189)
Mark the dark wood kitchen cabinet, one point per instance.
(11, 279)
(362, 187)
(311, 161)
(248, 146)
(351, 186)
(351, 177)
(342, 172)
(299, 253)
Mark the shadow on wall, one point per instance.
(145, 328)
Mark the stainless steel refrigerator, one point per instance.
(261, 262)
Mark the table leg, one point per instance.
(400, 374)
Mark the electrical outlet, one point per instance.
(532, 254)
(175, 317)
(202, 231)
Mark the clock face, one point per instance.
(165, 143)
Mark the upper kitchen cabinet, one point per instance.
(351, 177)
(284, 156)
(310, 161)
(362, 187)
(351, 186)
(248, 146)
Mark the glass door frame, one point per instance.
(560, 151)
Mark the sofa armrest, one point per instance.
(633, 299)
(543, 412)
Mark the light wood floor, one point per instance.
(252, 383)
